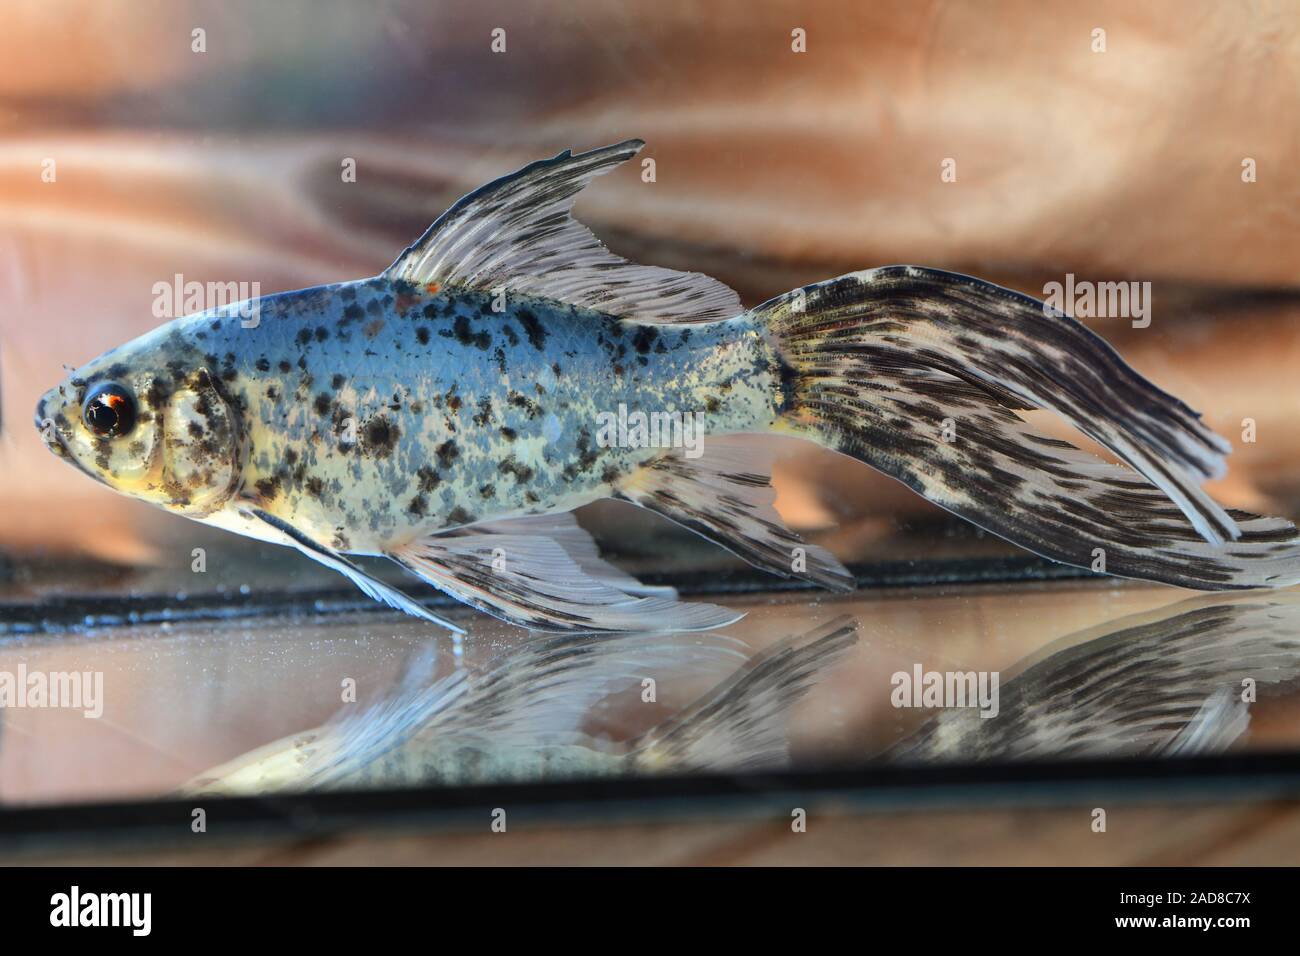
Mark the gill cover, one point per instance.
(202, 444)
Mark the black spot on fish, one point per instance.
(509, 433)
(322, 333)
(352, 313)
(264, 364)
(337, 382)
(322, 404)
(379, 436)
(645, 338)
(315, 487)
(418, 506)
(157, 394)
(422, 335)
(268, 488)
(587, 456)
(519, 400)
(428, 478)
(446, 453)
(304, 336)
(520, 471)
(284, 366)
(461, 331)
(532, 328)
(484, 415)
(487, 491)
(459, 515)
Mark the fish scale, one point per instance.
(402, 414)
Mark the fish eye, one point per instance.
(109, 411)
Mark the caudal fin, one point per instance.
(919, 373)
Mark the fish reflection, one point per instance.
(1169, 683)
(530, 717)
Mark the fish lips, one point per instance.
(54, 441)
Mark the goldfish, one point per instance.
(526, 717)
(451, 412)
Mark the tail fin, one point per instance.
(741, 724)
(919, 373)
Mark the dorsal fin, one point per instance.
(517, 232)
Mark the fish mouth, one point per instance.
(52, 440)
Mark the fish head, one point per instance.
(150, 423)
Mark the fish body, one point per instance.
(452, 411)
(376, 412)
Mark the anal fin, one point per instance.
(726, 495)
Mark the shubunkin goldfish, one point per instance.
(445, 414)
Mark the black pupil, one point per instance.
(109, 411)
